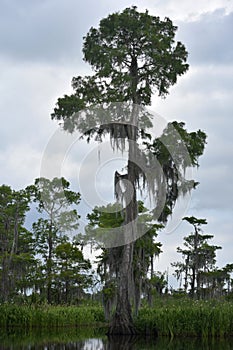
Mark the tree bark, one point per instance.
(122, 322)
(49, 268)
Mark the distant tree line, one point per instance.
(44, 264)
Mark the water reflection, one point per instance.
(162, 343)
(96, 340)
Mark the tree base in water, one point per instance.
(122, 324)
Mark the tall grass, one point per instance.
(198, 318)
(169, 318)
(49, 316)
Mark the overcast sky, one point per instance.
(40, 52)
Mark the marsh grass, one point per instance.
(173, 318)
(12, 316)
(188, 318)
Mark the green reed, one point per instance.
(188, 318)
(49, 316)
(182, 317)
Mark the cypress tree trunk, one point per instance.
(49, 268)
(4, 279)
(122, 322)
(192, 284)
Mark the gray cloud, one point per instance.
(209, 38)
(203, 99)
(45, 30)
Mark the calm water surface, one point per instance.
(96, 340)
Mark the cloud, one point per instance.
(21, 166)
(187, 9)
(28, 95)
(203, 99)
(214, 116)
(45, 31)
(208, 39)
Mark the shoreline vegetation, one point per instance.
(173, 318)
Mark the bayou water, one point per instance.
(95, 339)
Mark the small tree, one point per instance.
(154, 286)
(55, 202)
(199, 257)
(145, 250)
(71, 272)
(217, 282)
(16, 244)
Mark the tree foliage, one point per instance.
(16, 243)
(146, 249)
(55, 202)
(132, 54)
(41, 263)
(199, 257)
